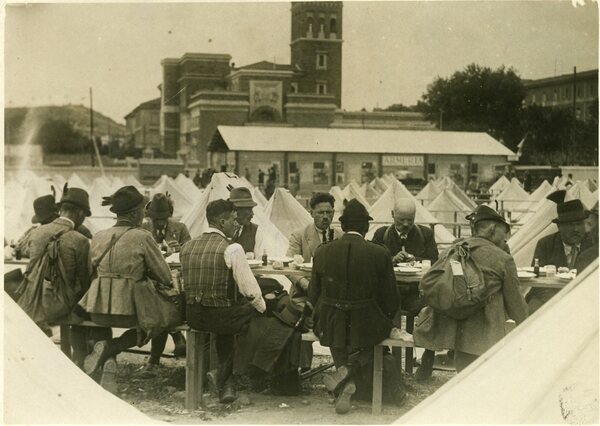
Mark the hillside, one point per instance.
(18, 120)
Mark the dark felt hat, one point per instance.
(355, 212)
(160, 207)
(125, 200)
(241, 197)
(45, 209)
(570, 211)
(484, 212)
(77, 197)
(290, 315)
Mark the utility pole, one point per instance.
(92, 136)
(574, 113)
(441, 119)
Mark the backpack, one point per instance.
(455, 285)
(44, 293)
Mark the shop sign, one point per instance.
(403, 160)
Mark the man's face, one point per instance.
(229, 224)
(244, 215)
(572, 232)
(591, 225)
(500, 235)
(403, 221)
(79, 219)
(322, 214)
(159, 224)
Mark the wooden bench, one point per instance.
(194, 364)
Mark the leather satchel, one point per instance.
(158, 307)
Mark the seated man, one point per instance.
(304, 242)
(407, 241)
(561, 248)
(167, 231)
(215, 272)
(354, 289)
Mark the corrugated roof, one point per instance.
(294, 139)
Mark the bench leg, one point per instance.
(377, 379)
(410, 326)
(194, 366)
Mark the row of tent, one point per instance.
(439, 201)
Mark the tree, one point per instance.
(548, 133)
(477, 99)
(60, 137)
(400, 108)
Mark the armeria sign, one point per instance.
(403, 160)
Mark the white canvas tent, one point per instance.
(75, 181)
(338, 196)
(353, 191)
(527, 207)
(187, 186)
(182, 202)
(428, 193)
(512, 196)
(381, 212)
(498, 186)
(545, 371)
(276, 243)
(371, 194)
(446, 207)
(286, 213)
(379, 184)
(43, 386)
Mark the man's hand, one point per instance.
(303, 283)
(403, 256)
(174, 246)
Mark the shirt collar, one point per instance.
(69, 221)
(354, 233)
(567, 248)
(212, 230)
(320, 231)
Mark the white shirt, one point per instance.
(320, 232)
(567, 248)
(235, 259)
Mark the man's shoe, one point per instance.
(109, 375)
(342, 402)
(94, 360)
(180, 345)
(334, 380)
(227, 395)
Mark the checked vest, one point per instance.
(206, 278)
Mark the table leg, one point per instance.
(377, 379)
(410, 326)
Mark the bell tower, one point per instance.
(316, 48)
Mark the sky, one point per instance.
(392, 50)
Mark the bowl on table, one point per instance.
(284, 260)
(525, 275)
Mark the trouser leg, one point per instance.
(340, 356)
(127, 340)
(306, 355)
(158, 344)
(224, 343)
(79, 335)
(462, 360)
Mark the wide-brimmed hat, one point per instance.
(125, 200)
(77, 197)
(160, 207)
(45, 208)
(484, 212)
(570, 211)
(355, 212)
(241, 197)
(292, 314)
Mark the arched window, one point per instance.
(333, 26)
(310, 24)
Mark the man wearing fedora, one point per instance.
(562, 248)
(353, 288)
(588, 255)
(248, 234)
(175, 234)
(73, 252)
(221, 291)
(123, 256)
(45, 211)
(472, 336)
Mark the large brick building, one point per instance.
(577, 90)
(200, 91)
(142, 125)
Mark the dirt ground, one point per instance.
(162, 397)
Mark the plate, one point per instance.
(281, 259)
(407, 270)
(564, 277)
(306, 266)
(173, 258)
(524, 275)
(255, 263)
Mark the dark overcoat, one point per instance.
(353, 288)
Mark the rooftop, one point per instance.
(152, 104)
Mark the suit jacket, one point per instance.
(353, 289)
(305, 241)
(25, 240)
(550, 251)
(176, 231)
(420, 244)
(477, 333)
(134, 258)
(73, 251)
